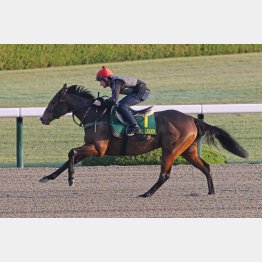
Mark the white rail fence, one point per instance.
(200, 110)
(188, 109)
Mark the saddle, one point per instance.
(145, 119)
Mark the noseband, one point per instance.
(53, 115)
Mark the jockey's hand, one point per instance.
(97, 103)
(108, 102)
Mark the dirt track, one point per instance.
(112, 192)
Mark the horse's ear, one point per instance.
(64, 90)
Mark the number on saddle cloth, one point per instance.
(145, 119)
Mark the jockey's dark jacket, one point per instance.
(127, 85)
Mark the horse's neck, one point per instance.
(79, 107)
(90, 113)
(97, 114)
(103, 113)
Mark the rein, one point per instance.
(95, 123)
(81, 121)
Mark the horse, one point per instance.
(177, 134)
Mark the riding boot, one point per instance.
(131, 130)
(128, 117)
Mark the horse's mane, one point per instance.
(80, 91)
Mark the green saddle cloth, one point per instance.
(146, 123)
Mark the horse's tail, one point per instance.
(212, 133)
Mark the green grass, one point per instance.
(191, 80)
(246, 128)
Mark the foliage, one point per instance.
(25, 56)
(151, 158)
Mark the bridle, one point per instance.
(54, 115)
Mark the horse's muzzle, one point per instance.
(42, 121)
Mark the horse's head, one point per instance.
(56, 108)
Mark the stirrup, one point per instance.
(131, 130)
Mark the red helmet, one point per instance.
(104, 72)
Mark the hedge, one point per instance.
(210, 155)
(25, 56)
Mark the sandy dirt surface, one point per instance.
(103, 192)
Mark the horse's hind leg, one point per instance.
(170, 151)
(191, 155)
(166, 166)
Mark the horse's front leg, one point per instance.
(81, 153)
(55, 174)
(71, 155)
(59, 171)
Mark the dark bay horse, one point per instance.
(177, 134)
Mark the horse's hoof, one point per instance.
(43, 180)
(147, 194)
(71, 182)
(211, 193)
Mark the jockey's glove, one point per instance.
(108, 102)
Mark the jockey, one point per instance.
(135, 90)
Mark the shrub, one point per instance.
(211, 156)
(24, 56)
